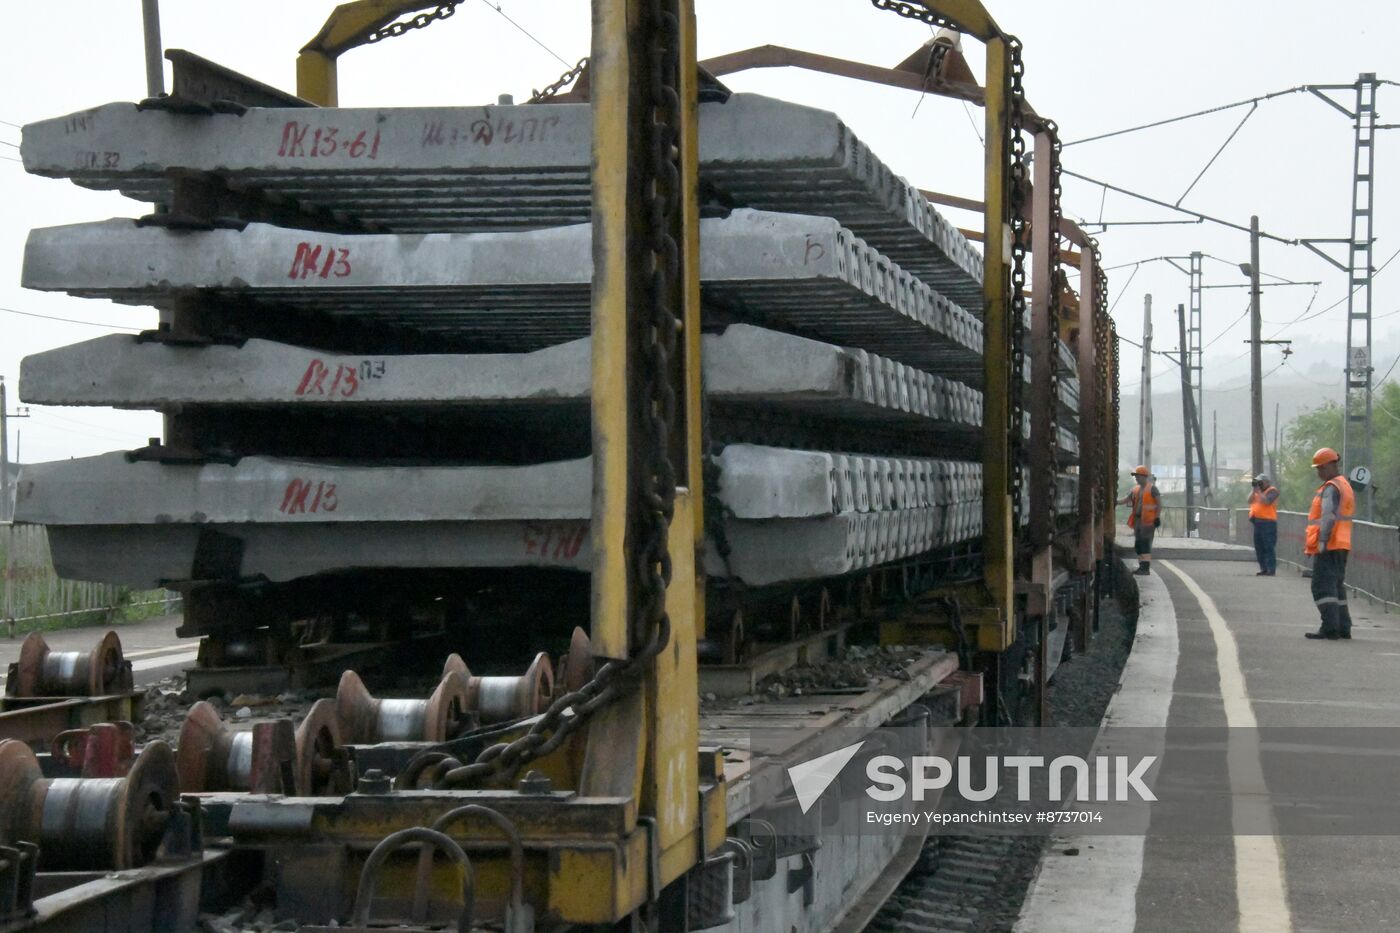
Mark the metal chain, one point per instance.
(443, 11)
(1053, 480)
(914, 11)
(539, 97)
(568, 713)
(1017, 191)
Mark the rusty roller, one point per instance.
(43, 672)
(365, 719)
(502, 699)
(270, 758)
(88, 824)
(575, 668)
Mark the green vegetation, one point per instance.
(1322, 427)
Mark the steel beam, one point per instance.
(997, 517)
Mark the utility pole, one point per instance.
(1187, 409)
(1191, 428)
(155, 65)
(1274, 453)
(6, 499)
(1256, 365)
(1145, 400)
(1360, 269)
(1195, 340)
(1214, 447)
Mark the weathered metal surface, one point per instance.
(365, 719)
(515, 290)
(40, 719)
(265, 759)
(504, 698)
(85, 824)
(164, 896)
(42, 672)
(734, 680)
(441, 168)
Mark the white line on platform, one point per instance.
(1260, 886)
(168, 660)
(1097, 890)
(149, 652)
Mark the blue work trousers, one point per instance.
(1266, 544)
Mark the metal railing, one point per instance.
(1373, 569)
(32, 591)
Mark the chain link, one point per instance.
(914, 11)
(1018, 185)
(1053, 480)
(1017, 188)
(539, 97)
(393, 30)
(657, 494)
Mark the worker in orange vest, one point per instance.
(1263, 514)
(1329, 540)
(1144, 517)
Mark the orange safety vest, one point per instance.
(1144, 504)
(1340, 538)
(1258, 508)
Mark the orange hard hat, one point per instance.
(1325, 455)
(1140, 470)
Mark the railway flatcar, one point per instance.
(681, 384)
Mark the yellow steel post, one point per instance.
(613, 97)
(694, 478)
(348, 25)
(997, 519)
(646, 745)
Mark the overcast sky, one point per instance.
(1093, 66)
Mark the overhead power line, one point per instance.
(497, 8)
(1187, 116)
(69, 320)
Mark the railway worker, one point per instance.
(1263, 514)
(1144, 517)
(1329, 541)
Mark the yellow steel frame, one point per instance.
(348, 26)
(644, 748)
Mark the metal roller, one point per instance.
(574, 668)
(43, 672)
(365, 719)
(88, 824)
(211, 756)
(502, 699)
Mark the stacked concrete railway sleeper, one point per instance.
(513, 291)
(404, 389)
(503, 167)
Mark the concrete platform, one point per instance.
(1164, 548)
(1219, 646)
